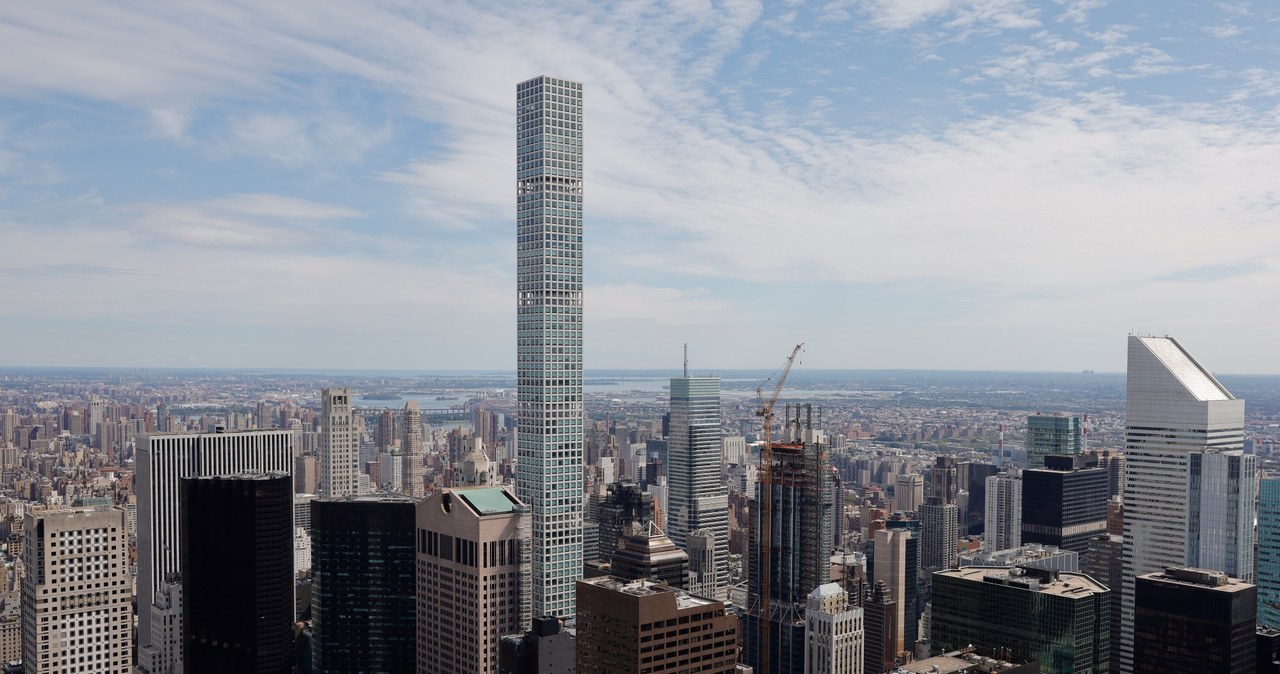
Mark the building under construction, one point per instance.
(798, 544)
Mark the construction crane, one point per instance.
(766, 505)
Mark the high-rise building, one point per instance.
(635, 626)
(549, 469)
(1269, 551)
(944, 479)
(696, 499)
(908, 492)
(894, 564)
(833, 632)
(880, 615)
(1003, 521)
(237, 577)
(1065, 503)
(163, 460)
(543, 649)
(976, 510)
(939, 534)
(472, 571)
(1112, 461)
(76, 611)
(624, 504)
(799, 556)
(411, 474)
(1192, 620)
(703, 564)
(363, 593)
(1104, 562)
(1052, 434)
(1189, 487)
(1061, 619)
(339, 445)
(649, 553)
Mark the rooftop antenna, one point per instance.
(686, 360)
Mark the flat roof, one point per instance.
(1066, 584)
(645, 587)
(488, 500)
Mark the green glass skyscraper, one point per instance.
(549, 333)
(1269, 551)
(1052, 434)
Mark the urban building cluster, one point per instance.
(160, 523)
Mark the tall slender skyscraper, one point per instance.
(339, 445)
(411, 450)
(695, 497)
(1189, 488)
(549, 333)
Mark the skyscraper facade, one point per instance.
(549, 432)
(411, 474)
(895, 566)
(1191, 620)
(1269, 551)
(162, 461)
(1003, 522)
(339, 445)
(472, 571)
(833, 632)
(1189, 488)
(908, 492)
(237, 581)
(1061, 619)
(1052, 434)
(880, 616)
(1065, 503)
(363, 594)
(939, 534)
(75, 592)
(696, 499)
(799, 544)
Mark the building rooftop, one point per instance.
(489, 500)
(645, 588)
(1061, 583)
(1198, 381)
(1203, 578)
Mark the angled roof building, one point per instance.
(1189, 488)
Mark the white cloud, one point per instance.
(1223, 30)
(295, 140)
(256, 220)
(1073, 193)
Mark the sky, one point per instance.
(949, 184)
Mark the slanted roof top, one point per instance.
(488, 500)
(1180, 364)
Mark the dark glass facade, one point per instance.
(237, 580)
(1194, 621)
(1064, 505)
(363, 609)
(1061, 619)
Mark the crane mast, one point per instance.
(766, 506)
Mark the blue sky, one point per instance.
(980, 184)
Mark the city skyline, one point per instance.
(936, 167)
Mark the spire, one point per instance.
(686, 360)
